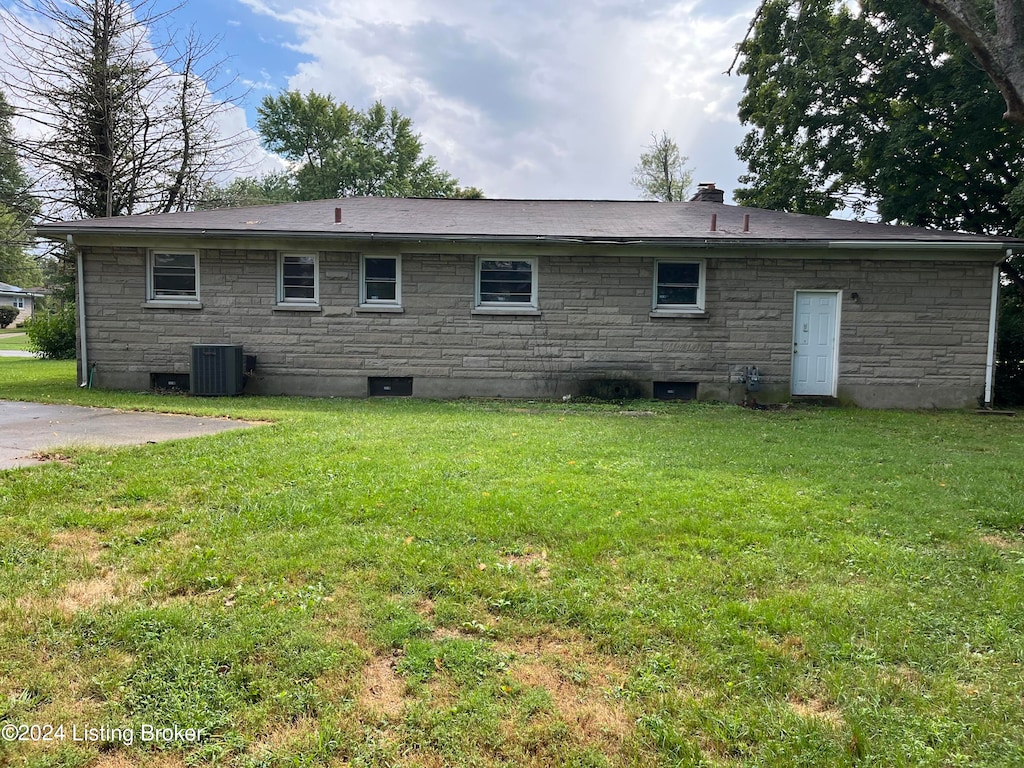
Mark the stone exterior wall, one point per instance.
(915, 337)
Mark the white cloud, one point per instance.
(533, 99)
(265, 83)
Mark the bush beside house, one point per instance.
(53, 334)
(8, 315)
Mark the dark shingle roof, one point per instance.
(582, 220)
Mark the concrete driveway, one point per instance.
(29, 428)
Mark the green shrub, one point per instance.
(7, 315)
(53, 334)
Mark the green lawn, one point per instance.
(413, 583)
(13, 339)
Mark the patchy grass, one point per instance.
(410, 583)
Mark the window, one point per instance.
(19, 302)
(507, 283)
(174, 276)
(679, 285)
(297, 279)
(380, 281)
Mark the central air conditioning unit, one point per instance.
(218, 370)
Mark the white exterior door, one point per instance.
(815, 349)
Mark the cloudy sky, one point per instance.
(523, 98)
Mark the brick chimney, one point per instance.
(708, 193)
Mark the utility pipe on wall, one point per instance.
(990, 357)
(80, 307)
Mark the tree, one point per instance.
(993, 30)
(881, 111)
(338, 151)
(385, 159)
(17, 207)
(243, 191)
(310, 132)
(661, 173)
(16, 266)
(123, 122)
(997, 41)
(1009, 384)
(468, 193)
(15, 186)
(1015, 200)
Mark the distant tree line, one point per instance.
(334, 150)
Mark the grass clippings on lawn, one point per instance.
(409, 583)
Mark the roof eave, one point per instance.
(58, 233)
(881, 245)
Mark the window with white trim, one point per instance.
(297, 278)
(506, 283)
(679, 286)
(173, 276)
(19, 302)
(380, 281)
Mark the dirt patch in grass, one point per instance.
(1001, 541)
(81, 595)
(180, 540)
(382, 689)
(790, 646)
(343, 622)
(425, 608)
(283, 737)
(48, 456)
(817, 709)
(88, 593)
(424, 761)
(79, 542)
(85, 546)
(452, 633)
(530, 562)
(579, 681)
(900, 675)
(149, 759)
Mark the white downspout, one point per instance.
(990, 358)
(80, 306)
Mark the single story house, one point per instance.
(539, 298)
(20, 298)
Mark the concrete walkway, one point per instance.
(29, 428)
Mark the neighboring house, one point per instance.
(24, 300)
(536, 298)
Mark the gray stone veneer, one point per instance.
(916, 336)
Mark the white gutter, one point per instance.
(990, 357)
(924, 245)
(80, 306)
